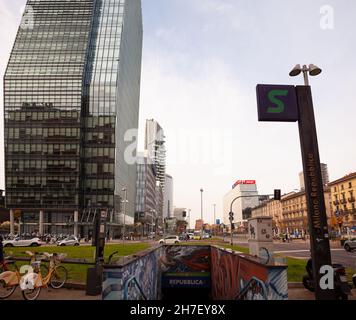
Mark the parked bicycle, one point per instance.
(32, 283)
(10, 279)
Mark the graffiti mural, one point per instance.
(137, 280)
(243, 277)
(185, 267)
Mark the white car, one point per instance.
(22, 242)
(170, 240)
(69, 241)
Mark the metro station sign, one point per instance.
(277, 103)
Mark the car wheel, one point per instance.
(176, 242)
(76, 244)
(348, 248)
(34, 244)
(62, 245)
(8, 245)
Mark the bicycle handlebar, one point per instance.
(111, 256)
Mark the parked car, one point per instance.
(69, 241)
(350, 245)
(170, 240)
(23, 242)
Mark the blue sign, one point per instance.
(277, 103)
(218, 222)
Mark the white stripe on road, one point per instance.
(296, 251)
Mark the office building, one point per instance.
(168, 197)
(72, 89)
(155, 145)
(324, 175)
(246, 195)
(146, 209)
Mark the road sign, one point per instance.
(277, 103)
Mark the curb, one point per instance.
(75, 286)
(295, 285)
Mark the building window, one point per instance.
(350, 185)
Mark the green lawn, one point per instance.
(77, 273)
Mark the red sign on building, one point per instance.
(238, 182)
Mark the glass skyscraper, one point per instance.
(72, 89)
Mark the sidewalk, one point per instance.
(69, 294)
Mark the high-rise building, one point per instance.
(324, 175)
(168, 197)
(72, 88)
(246, 195)
(146, 210)
(155, 145)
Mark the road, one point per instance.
(301, 249)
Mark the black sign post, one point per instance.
(279, 103)
(318, 225)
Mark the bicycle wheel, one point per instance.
(5, 291)
(31, 294)
(59, 277)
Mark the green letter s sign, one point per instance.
(272, 97)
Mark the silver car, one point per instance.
(350, 245)
(69, 241)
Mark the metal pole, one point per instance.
(189, 218)
(214, 217)
(124, 211)
(201, 206)
(305, 75)
(318, 227)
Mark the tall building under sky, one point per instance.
(324, 175)
(72, 89)
(155, 145)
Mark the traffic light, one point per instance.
(184, 214)
(277, 195)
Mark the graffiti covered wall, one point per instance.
(136, 280)
(243, 277)
(185, 267)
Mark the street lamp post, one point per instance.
(189, 210)
(124, 190)
(314, 189)
(201, 208)
(214, 223)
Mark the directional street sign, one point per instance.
(277, 103)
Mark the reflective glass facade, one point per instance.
(71, 92)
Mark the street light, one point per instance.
(124, 190)
(314, 190)
(201, 208)
(214, 223)
(313, 70)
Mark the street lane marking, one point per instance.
(296, 251)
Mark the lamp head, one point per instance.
(314, 70)
(297, 70)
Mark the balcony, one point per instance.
(343, 201)
(336, 202)
(351, 200)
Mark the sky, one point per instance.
(202, 60)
